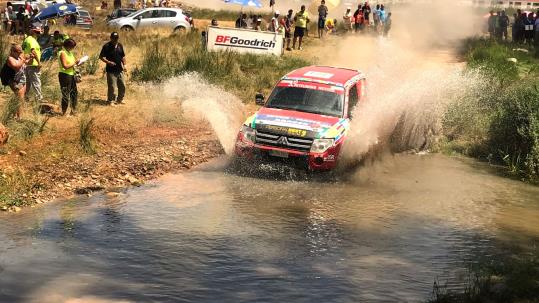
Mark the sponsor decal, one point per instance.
(319, 75)
(233, 41)
(312, 85)
(294, 132)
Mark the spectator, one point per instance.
(66, 76)
(117, 4)
(347, 20)
(376, 17)
(32, 48)
(45, 39)
(214, 23)
(274, 24)
(20, 19)
(258, 24)
(10, 23)
(15, 75)
(387, 25)
(288, 21)
(322, 15)
(241, 22)
(301, 20)
(58, 40)
(331, 26)
(272, 4)
(503, 24)
(491, 25)
(104, 5)
(249, 21)
(113, 55)
(358, 19)
(382, 14)
(529, 22)
(366, 13)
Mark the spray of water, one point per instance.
(206, 103)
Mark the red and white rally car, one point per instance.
(306, 117)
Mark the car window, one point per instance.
(149, 14)
(353, 99)
(84, 14)
(167, 14)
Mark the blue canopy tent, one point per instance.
(55, 11)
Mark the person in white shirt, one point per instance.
(274, 24)
(347, 19)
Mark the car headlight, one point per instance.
(321, 145)
(249, 134)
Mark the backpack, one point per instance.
(7, 74)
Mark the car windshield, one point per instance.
(307, 100)
(130, 14)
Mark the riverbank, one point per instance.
(104, 147)
(499, 122)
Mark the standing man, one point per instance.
(274, 24)
(347, 20)
(301, 19)
(366, 13)
(491, 25)
(504, 24)
(537, 36)
(387, 25)
(288, 20)
(322, 15)
(376, 17)
(32, 48)
(113, 55)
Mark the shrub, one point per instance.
(86, 137)
(92, 65)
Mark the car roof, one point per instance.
(325, 74)
(162, 8)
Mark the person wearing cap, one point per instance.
(274, 25)
(66, 76)
(32, 48)
(113, 55)
(258, 25)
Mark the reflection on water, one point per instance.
(385, 234)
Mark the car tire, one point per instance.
(127, 28)
(180, 29)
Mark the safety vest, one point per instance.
(28, 44)
(70, 58)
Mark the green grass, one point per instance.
(501, 123)
(502, 279)
(241, 74)
(86, 136)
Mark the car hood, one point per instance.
(297, 124)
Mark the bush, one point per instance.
(514, 130)
(242, 74)
(501, 122)
(86, 137)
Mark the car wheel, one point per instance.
(180, 29)
(127, 28)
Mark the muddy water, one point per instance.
(383, 234)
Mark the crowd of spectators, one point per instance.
(294, 27)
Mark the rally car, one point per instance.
(305, 119)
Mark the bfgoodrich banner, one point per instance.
(244, 41)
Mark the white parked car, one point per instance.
(154, 17)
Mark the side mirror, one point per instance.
(259, 99)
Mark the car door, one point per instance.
(147, 19)
(168, 19)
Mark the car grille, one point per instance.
(295, 143)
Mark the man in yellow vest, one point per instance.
(31, 47)
(301, 19)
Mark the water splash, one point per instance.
(207, 103)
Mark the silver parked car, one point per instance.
(154, 17)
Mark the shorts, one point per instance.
(287, 35)
(321, 22)
(299, 32)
